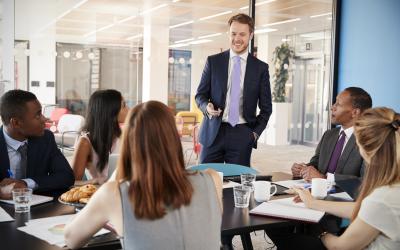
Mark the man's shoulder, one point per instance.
(46, 137)
(219, 55)
(258, 61)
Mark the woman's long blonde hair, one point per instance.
(378, 137)
(152, 161)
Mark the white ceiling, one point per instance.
(120, 22)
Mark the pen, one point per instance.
(10, 173)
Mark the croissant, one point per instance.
(79, 193)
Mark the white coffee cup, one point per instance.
(320, 188)
(262, 190)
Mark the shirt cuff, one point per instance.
(31, 183)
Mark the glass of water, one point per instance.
(241, 195)
(22, 198)
(248, 180)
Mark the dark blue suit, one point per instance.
(213, 88)
(47, 166)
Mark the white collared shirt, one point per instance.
(348, 132)
(15, 157)
(243, 63)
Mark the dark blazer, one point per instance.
(350, 163)
(47, 166)
(213, 88)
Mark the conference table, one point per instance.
(235, 221)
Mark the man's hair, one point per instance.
(243, 19)
(13, 104)
(360, 98)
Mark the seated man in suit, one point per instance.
(29, 156)
(337, 152)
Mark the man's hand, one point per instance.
(5, 191)
(297, 168)
(17, 183)
(310, 172)
(211, 111)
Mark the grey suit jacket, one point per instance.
(350, 164)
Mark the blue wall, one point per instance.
(369, 53)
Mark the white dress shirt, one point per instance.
(348, 133)
(243, 62)
(15, 157)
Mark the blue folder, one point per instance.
(227, 169)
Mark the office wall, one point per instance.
(370, 49)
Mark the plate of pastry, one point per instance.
(78, 196)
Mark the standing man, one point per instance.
(232, 84)
(337, 152)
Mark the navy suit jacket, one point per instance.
(47, 166)
(213, 88)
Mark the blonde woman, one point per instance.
(375, 215)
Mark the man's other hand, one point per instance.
(310, 172)
(297, 168)
(211, 111)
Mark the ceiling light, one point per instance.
(211, 35)
(180, 24)
(319, 15)
(258, 4)
(184, 40)
(78, 55)
(201, 41)
(91, 55)
(262, 31)
(127, 19)
(66, 54)
(154, 9)
(178, 45)
(212, 16)
(282, 22)
(134, 37)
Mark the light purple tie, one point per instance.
(233, 116)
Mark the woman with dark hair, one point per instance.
(154, 203)
(100, 134)
(375, 215)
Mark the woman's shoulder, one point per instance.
(385, 194)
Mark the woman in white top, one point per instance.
(376, 213)
(100, 134)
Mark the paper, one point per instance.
(230, 184)
(342, 195)
(293, 183)
(287, 209)
(36, 199)
(4, 216)
(51, 229)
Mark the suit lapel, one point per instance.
(4, 160)
(346, 153)
(32, 153)
(225, 74)
(247, 75)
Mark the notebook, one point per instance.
(287, 209)
(36, 200)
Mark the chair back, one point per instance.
(57, 113)
(69, 122)
(189, 121)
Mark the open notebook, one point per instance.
(287, 209)
(36, 199)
